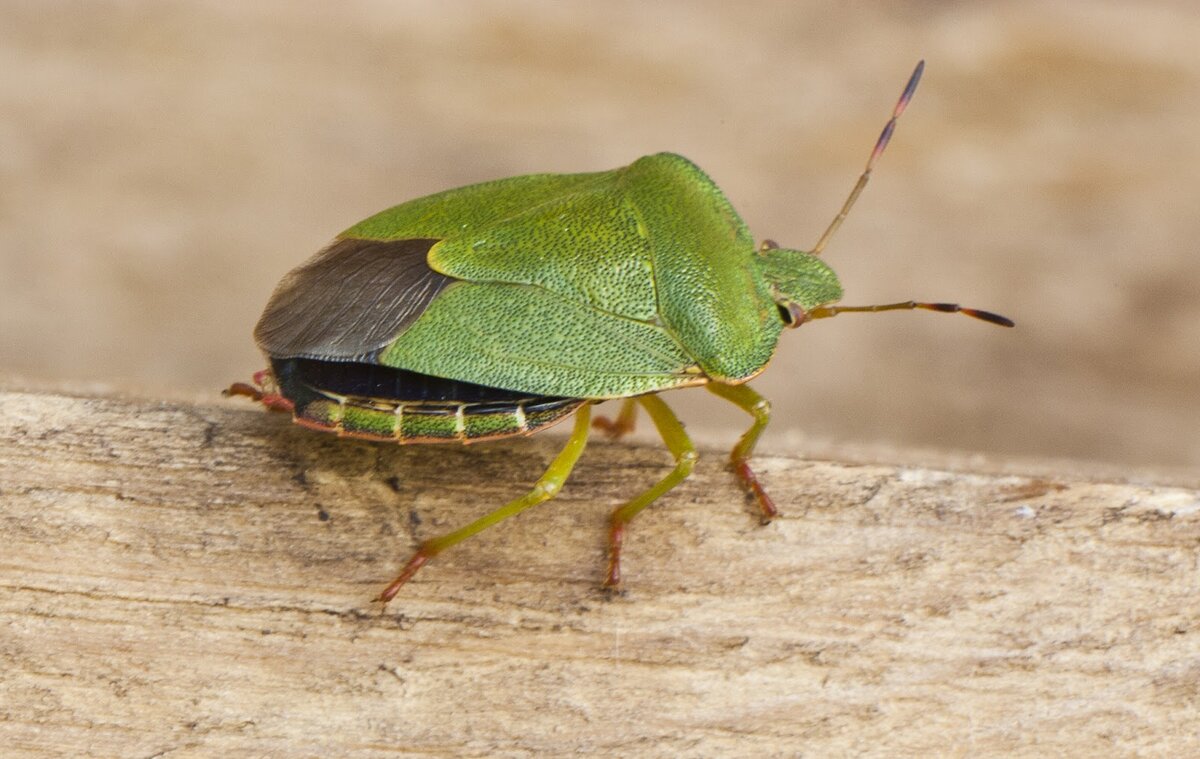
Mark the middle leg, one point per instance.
(623, 424)
(673, 434)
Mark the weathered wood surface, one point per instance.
(184, 581)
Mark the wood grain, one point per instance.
(196, 580)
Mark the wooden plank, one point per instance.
(196, 580)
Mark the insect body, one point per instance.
(498, 309)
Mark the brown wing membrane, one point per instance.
(351, 299)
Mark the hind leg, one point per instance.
(543, 490)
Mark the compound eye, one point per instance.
(792, 315)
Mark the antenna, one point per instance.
(880, 144)
(823, 312)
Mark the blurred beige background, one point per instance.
(162, 164)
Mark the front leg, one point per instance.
(759, 407)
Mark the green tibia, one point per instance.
(745, 398)
(547, 486)
(685, 455)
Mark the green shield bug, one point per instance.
(495, 310)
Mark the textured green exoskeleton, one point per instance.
(498, 309)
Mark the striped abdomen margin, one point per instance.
(380, 403)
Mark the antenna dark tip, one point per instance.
(988, 316)
(884, 138)
(910, 88)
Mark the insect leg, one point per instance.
(625, 422)
(263, 390)
(543, 490)
(759, 407)
(684, 452)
